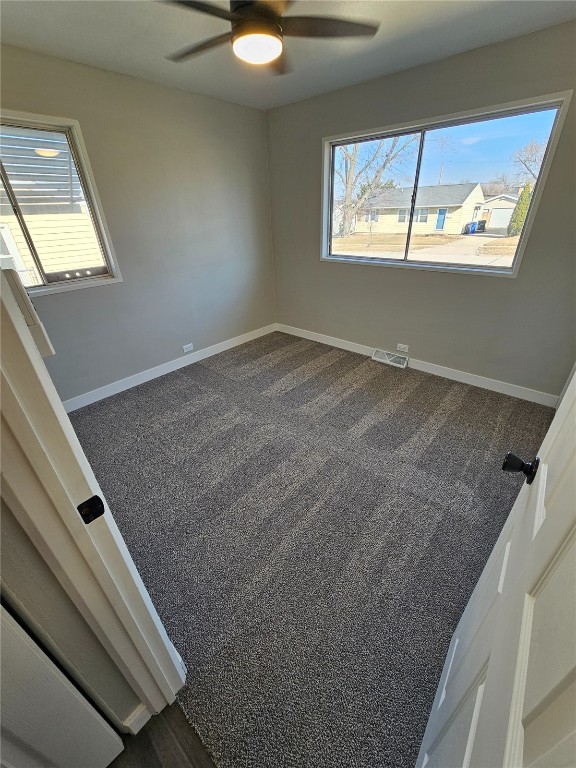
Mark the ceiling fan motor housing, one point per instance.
(256, 26)
(259, 28)
(254, 19)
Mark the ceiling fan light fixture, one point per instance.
(45, 152)
(257, 43)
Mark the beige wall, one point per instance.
(197, 276)
(516, 330)
(167, 164)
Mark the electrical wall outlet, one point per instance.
(188, 347)
(402, 347)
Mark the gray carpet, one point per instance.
(310, 525)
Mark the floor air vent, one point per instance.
(390, 358)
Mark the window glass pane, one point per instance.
(14, 250)
(477, 181)
(42, 172)
(371, 180)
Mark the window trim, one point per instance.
(78, 149)
(560, 100)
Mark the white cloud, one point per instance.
(471, 140)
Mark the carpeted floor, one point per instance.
(310, 525)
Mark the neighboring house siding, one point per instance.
(476, 198)
(74, 242)
(388, 223)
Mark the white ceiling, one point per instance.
(134, 36)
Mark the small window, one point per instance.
(50, 230)
(455, 194)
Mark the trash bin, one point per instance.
(473, 226)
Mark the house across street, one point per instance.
(441, 208)
(444, 216)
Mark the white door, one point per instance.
(507, 695)
(46, 478)
(44, 721)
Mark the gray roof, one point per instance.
(443, 195)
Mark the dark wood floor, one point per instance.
(166, 741)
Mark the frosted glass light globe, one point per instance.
(257, 48)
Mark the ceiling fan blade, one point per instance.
(318, 26)
(193, 50)
(211, 10)
(281, 65)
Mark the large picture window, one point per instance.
(455, 194)
(50, 229)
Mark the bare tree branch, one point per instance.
(529, 159)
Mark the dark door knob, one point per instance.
(513, 463)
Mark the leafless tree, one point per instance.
(361, 169)
(498, 186)
(528, 160)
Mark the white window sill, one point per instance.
(72, 285)
(463, 269)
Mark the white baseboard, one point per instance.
(160, 370)
(533, 395)
(332, 341)
(136, 719)
(504, 387)
(421, 365)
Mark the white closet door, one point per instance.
(45, 721)
(507, 695)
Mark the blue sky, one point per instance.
(477, 152)
(481, 151)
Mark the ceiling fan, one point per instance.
(259, 29)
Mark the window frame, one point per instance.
(560, 100)
(79, 152)
(420, 218)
